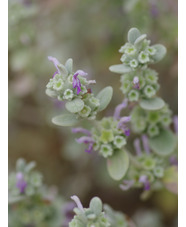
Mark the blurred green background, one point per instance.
(90, 32)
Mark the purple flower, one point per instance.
(145, 144)
(67, 210)
(56, 63)
(78, 202)
(21, 183)
(81, 130)
(143, 179)
(137, 147)
(90, 148)
(175, 121)
(122, 125)
(173, 161)
(76, 82)
(154, 10)
(136, 82)
(127, 184)
(86, 140)
(119, 108)
(126, 131)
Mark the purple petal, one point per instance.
(55, 74)
(67, 210)
(127, 184)
(123, 121)
(143, 179)
(127, 131)
(137, 147)
(81, 73)
(81, 130)
(76, 83)
(136, 82)
(173, 160)
(119, 108)
(55, 62)
(78, 202)
(85, 139)
(90, 148)
(145, 144)
(21, 183)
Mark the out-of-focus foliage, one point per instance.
(90, 32)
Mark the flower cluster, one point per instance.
(30, 202)
(97, 215)
(150, 122)
(108, 136)
(137, 52)
(147, 169)
(139, 85)
(26, 181)
(74, 89)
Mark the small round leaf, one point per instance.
(75, 105)
(140, 39)
(104, 96)
(50, 93)
(163, 144)
(160, 52)
(118, 164)
(96, 205)
(152, 104)
(65, 120)
(133, 34)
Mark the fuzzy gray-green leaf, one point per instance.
(50, 93)
(63, 70)
(140, 39)
(65, 120)
(160, 52)
(152, 104)
(75, 105)
(69, 65)
(120, 68)
(163, 144)
(96, 205)
(133, 34)
(118, 164)
(104, 96)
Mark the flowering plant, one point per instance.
(147, 115)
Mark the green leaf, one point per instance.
(120, 68)
(69, 65)
(65, 120)
(63, 70)
(160, 52)
(104, 96)
(96, 205)
(163, 144)
(133, 34)
(118, 164)
(30, 166)
(140, 39)
(50, 93)
(75, 105)
(152, 104)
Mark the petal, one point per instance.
(81, 73)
